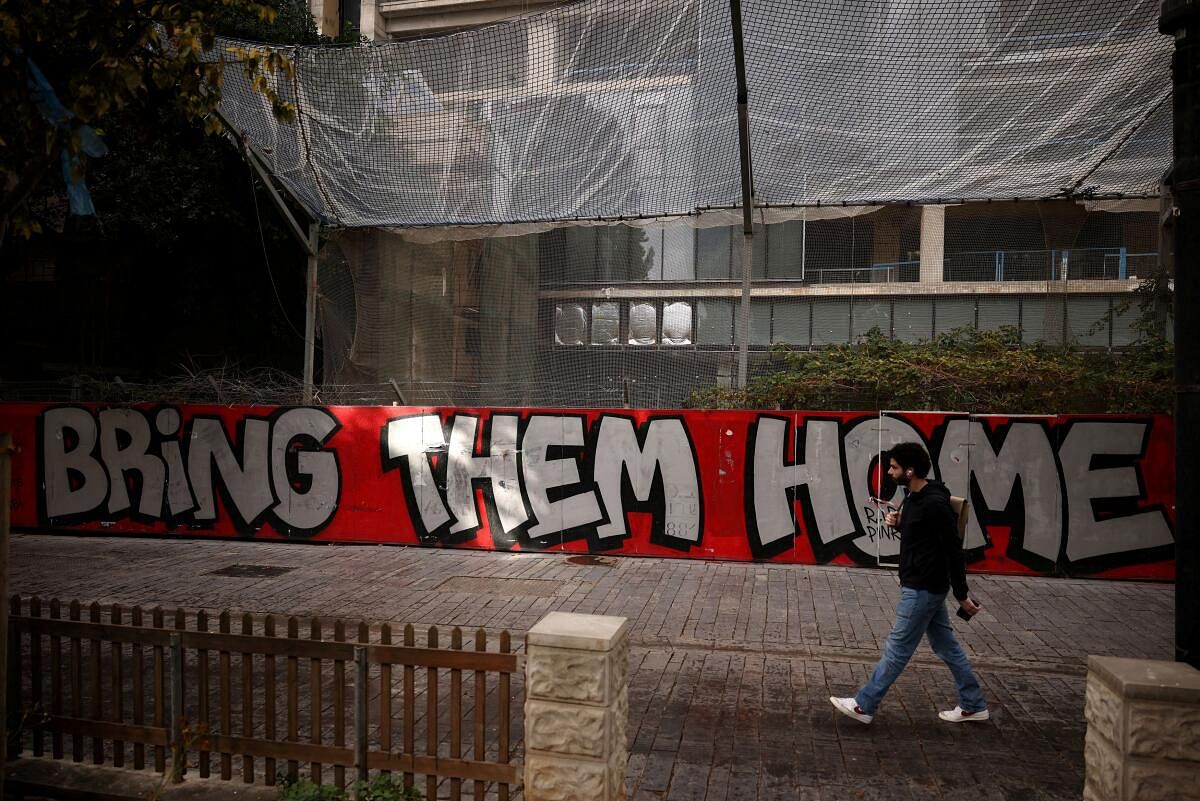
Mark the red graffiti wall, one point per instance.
(1060, 495)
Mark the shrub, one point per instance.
(964, 370)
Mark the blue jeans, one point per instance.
(920, 612)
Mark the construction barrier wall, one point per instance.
(1056, 494)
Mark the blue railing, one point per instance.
(1046, 265)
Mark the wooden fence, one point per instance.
(135, 688)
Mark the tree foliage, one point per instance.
(964, 370)
(102, 58)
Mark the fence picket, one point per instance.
(314, 699)
(226, 710)
(160, 753)
(362, 696)
(139, 689)
(247, 700)
(410, 700)
(177, 735)
(293, 700)
(202, 691)
(35, 678)
(431, 715)
(76, 685)
(455, 714)
(97, 698)
(385, 696)
(56, 683)
(480, 719)
(339, 703)
(269, 699)
(505, 721)
(12, 682)
(116, 674)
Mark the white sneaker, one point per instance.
(849, 707)
(957, 715)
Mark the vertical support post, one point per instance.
(933, 244)
(743, 106)
(310, 313)
(576, 707)
(1182, 18)
(743, 329)
(361, 693)
(6, 450)
(1123, 269)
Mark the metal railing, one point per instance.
(1047, 265)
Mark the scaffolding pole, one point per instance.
(1182, 19)
(310, 313)
(743, 108)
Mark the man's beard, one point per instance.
(902, 481)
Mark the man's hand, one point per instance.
(969, 606)
(892, 519)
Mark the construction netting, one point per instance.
(545, 210)
(643, 315)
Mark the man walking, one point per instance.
(931, 562)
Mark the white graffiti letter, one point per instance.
(248, 483)
(821, 472)
(667, 452)
(862, 447)
(1026, 456)
(134, 457)
(542, 474)
(463, 467)
(1087, 536)
(411, 438)
(59, 463)
(179, 492)
(314, 507)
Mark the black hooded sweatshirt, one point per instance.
(931, 557)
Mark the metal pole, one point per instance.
(739, 60)
(1182, 19)
(310, 313)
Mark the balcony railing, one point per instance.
(1047, 265)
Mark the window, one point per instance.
(606, 324)
(570, 324)
(913, 319)
(792, 321)
(677, 324)
(643, 324)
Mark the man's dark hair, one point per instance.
(911, 456)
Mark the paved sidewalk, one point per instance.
(731, 664)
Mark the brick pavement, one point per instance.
(731, 663)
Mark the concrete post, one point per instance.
(933, 243)
(1143, 735)
(576, 708)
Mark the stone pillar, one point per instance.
(576, 708)
(1143, 735)
(933, 242)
